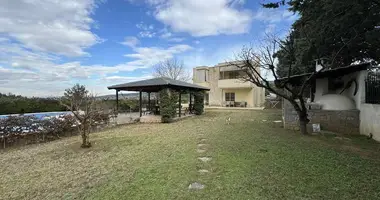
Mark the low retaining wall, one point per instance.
(345, 122)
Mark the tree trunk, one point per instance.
(85, 140)
(303, 122)
(303, 127)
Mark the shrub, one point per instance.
(57, 127)
(14, 127)
(198, 103)
(29, 129)
(168, 105)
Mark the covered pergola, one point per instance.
(156, 85)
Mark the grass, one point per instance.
(252, 159)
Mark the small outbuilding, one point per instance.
(344, 100)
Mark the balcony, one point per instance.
(234, 83)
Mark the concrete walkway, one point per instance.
(232, 108)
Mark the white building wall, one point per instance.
(359, 98)
(370, 120)
(244, 91)
(369, 113)
(322, 88)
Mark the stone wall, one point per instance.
(345, 121)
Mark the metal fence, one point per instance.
(372, 88)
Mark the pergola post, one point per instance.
(140, 101)
(190, 104)
(117, 101)
(179, 113)
(149, 102)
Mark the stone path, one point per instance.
(205, 159)
(196, 186)
(203, 171)
(202, 148)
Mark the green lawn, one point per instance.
(252, 159)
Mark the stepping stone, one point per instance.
(203, 140)
(201, 145)
(205, 159)
(203, 171)
(201, 150)
(196, 186)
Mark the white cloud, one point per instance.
(124, 79)
(274, 15)
(147, 31)
(130, 41)
(147, 34)
(59, 27)
(38, 74)
(169, 36)
(148, 56)
(144, 27)
(166, 34)
(270, 28)
(202, 57)
(203, 18)
(176, 39)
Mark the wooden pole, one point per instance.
(140, 107)
(149, 101)
(190, 103)
(179, 113)
(117, 101)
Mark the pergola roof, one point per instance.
(336, 72)
(157, 84)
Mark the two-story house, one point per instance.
(226, 86)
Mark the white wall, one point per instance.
(370, 120)
(322, 88)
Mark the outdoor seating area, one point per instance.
(235, 104)
(156, 85)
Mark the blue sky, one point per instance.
(47, 46)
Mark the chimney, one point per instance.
(319, 63)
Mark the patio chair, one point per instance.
(230, 103)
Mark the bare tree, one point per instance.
(172, 68)
(259, 65)
(85, 108)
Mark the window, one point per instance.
(202, 75)
(372, 88)
(231, 74)
(230, 96)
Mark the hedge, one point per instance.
(199, 103)
(22, 130)
(168, 104)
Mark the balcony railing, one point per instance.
(234, 83)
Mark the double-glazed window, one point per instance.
(230, 96)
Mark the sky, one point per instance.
(47, 46)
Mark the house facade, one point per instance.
(226, 86)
